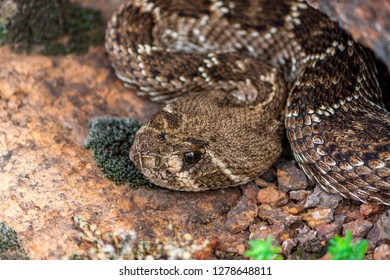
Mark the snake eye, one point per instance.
(192, 157)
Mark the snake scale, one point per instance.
(237, 75)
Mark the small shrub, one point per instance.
(342, 248)
(263, 250)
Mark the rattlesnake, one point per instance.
(233, 72)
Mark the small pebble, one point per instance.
(318, 216)
(241, 215)
(290, 177)
(315, 246)
(250, 190)
(305, 234)
(353, 214)
(326, 230)
(381, 230)
(288, 245)
(299, 195)
(382, 252)
(294, 208)
(358, 228)
(275, 215)
(272, 196)
(262, 230)
(371, 209)
(323, 199)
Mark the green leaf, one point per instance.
(263, 250)
(342, 248)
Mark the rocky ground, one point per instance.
(47, 177)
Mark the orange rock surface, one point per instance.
(47, 177)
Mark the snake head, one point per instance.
(190, 147)
(167, 160)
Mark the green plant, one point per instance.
(263, 250)
(52, 27)
(342, 248)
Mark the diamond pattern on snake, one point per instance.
(238, 75)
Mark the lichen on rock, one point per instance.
(55, 26)
(110, 140)
(10, 247)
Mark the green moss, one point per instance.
(2, 31)
(110, 140)
(10, 248)
(56, 26)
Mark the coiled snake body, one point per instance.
(239, 71)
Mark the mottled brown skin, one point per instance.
(160, 147)
(230, 65)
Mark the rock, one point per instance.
(310, 242)
(250, 190)
(288, 245)
(381, 231)
(229, 247)
(367, 21)
(318, 216)
(263, 184)
(315, 246)
(382, 252)
(272, 196)
(275, 215)
(262, 230)
(269, 175)
(47, 176)
(293, 208)
(352, 213)
(305, 234)
(327, 231)
(147, 198)
(299, 195)
(241, 215)
(371, 209)
(340, 218)
(290, 177)
(358, 228)
(320, 198)
(202, 208)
